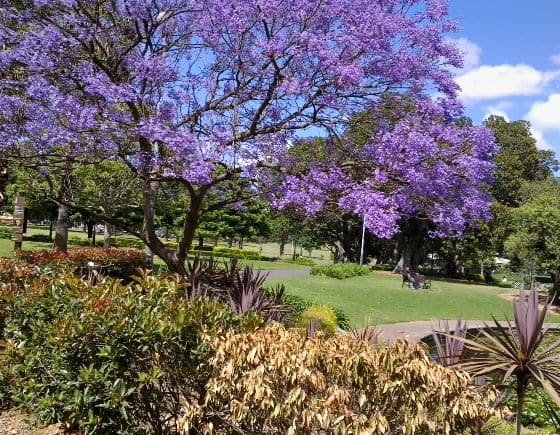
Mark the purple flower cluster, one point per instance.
(180, 87)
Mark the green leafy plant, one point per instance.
(341, 270)
(515, 351)
(553, 413)
(323, 315)
(112, 358)
(298, 305)
(243, 254)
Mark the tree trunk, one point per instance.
(410, 257)
(50, 229)
(293, 249)
(229, 242)
(154, 245)
(339, 253)
(554, 294)
(93, 234)
(107, 239)
(149, 258)
(90, 229)
(201, 242)
(282, 248)
(521, 387)
(240, 242)
(61, 236)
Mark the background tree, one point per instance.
(518, 159)
(535, 239)
(107, 189)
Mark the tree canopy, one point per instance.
(197, 93)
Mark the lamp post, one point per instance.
(363, 238)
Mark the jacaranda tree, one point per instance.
(199, 92)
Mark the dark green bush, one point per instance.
(535, 408)
(383, 267)
(302, 261)
(5, 232)
(84, 241)
(341, 270)
(43, 238)
(503, 284)
(110, 359)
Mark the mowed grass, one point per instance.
(379, 297)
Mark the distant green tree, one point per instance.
(107, 189)
(535, 239)
(518, 159)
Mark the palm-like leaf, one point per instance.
(514, 349)
(449, 348)
(368, 333)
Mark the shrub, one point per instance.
(383, 267)
(43, 238)
(242, 254)
(83, 241)
(128, 242)
(298, 305)
(302, 261)
(341, 270)
(123, 262)
(276, 381)
(5, 232)
(536, 408)
(111, 358)
(503, 284)
(323, 315)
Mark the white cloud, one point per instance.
(494, 111)
(499, 81)
(555, 59)
(545, 115)
(471, 53)
(542, 143)
(498, 109)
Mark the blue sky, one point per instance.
(512, 62)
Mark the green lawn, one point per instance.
(379, 297)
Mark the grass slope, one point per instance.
(379, 297)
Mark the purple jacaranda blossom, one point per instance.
(195, 91)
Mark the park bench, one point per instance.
(93, 272)
(416, 281)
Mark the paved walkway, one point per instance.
(416, 331)
(287, 273)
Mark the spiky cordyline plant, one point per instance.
(515, 350)
(368, 333)
(450, 344)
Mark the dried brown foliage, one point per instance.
(276, 380)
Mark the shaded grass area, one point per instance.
(379, 297)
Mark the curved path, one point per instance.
(416, 331)
(286, 273)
